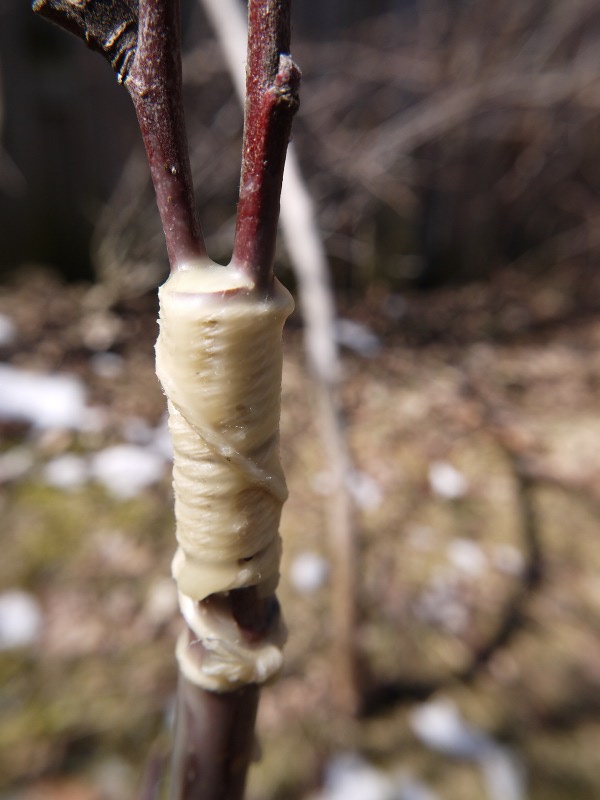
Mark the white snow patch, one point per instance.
(21, 619)
(358, 337)
(365, 490)
(441, 603)
(45, 401)
(125, 470)
(308, 572)
(8, 331)
(467, 556)
(446, 481)
(349, 777)
(66, 472)
(439, 725)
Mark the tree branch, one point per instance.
(214, 732)
(154, 83)
(142, 42)
(272, 87)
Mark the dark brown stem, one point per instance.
(214, 742)
(154, 83)
(214, 732)
(272, 87)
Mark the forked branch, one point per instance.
(214, 730)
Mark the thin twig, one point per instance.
(272, 87)
(154, 83)
(142, 42)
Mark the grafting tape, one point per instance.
(219, 360)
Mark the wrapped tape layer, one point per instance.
(219, 360)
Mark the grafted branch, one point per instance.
(272, 83)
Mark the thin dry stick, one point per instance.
(214, 736)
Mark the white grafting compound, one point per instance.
(219, 360)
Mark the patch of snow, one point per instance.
(8, 331)
(467, 556)
(308, 572)
(365, 490)
(15, 463)
(441, 604)
(125, 470)
(21, 619)
(439, 725)
(358, 337)
(45, 401)
(66, 472)
(446, 481)
(349, 777)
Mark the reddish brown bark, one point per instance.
(154, 83)
(272, 87)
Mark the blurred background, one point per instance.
(451, 150)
